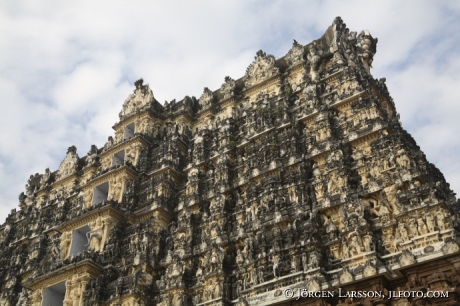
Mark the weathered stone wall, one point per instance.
(298, 175)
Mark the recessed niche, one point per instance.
(101, 193)
(118, 158)
(129, 130)
(54, 295)
(79, 241)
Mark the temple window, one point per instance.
(129, 131)
(79, 241)
(54, 295)
(118, 158)
(100, 193)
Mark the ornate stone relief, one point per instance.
(261, 69)
(206, 99)
(69, 165)
(140, 98)
(295, 55)
(227, 89)
(306, 181)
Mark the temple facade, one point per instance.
(295, 184)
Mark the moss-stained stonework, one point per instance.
(297, 175)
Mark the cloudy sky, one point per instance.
(66, 67)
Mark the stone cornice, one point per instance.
(131, 118)
(123, 170)
(124, 144)
(276, 79)
(65, 273)
(106, 211)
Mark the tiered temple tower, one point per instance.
(297, 175)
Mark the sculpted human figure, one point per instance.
(45, 178)
(345, 251)
(255, 275)
(94, 236)
(331, 228)
(403, 232)
(390, 192)
(115, 187)
(131, 154)
(304, 261)
(316, 172)
(275, 260)
(413, 230)
(384, 212)
(66, 239)
(56, 248)
(355, 245)
(440, 220)
(313, 261)
(367, 242)
(217, 290)
(422, 229)
(429, 219)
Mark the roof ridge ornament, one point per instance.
(139, 100)
(262, 68)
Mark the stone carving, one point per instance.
(66, 239)
(95, 235)
(369, 269)
(314, 57)
(46, 177)
(366, 46)
(261, 69)
(240, 194)
(140, 98)
(407, 258)
(227, 89)
(295, 55)
(69, 165)
(116, 187)
(92, 157)
(450, 247)
(206, 99)
(346, 276)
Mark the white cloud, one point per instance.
(65, 69)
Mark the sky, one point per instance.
(66, 67)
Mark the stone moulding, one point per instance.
(297, 175)
(84, 267)
(104, 212)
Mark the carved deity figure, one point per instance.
(367, 243)
(331, 228)
(345, 250)
(275, 260)
(422, 229)
(115, 190)
(440, 217)
(390, 192)
(314, 58)
(66, 239)
(355, 245)
(430, 223)
(45, 177)
(413, 230)
(313, 261)
(262, 68)
(402, 231)
(94, 236)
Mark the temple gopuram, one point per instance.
(293, 185)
